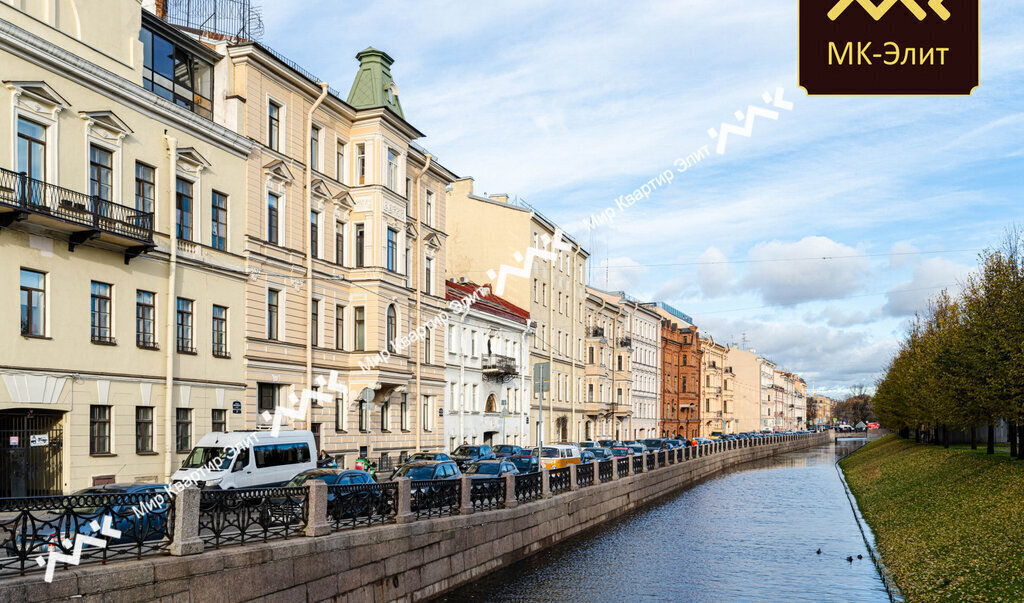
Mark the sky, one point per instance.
(813, 242)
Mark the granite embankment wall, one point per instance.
(405, 561)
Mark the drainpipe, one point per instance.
(598, 358)
(572, 342)
(309, 252)
(172, 162)
(462, 384)
(419, 296)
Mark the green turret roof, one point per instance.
(373, 86)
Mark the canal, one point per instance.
(750, 533)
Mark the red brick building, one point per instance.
(680, 379)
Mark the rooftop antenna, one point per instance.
(744, 340)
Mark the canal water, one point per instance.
(751, 533)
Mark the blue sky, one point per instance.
(570, 104)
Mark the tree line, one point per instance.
(961, 364)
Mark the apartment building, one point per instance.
(640, 340)
(528, 261)
(608, 380)
(345, 249)
(717, 381)
(681, 361)
(746, 386)
(487, 358)
(121, 221)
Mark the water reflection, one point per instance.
(751, 534)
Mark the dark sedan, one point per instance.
(507, 450)
(525, 463)
(485, 469)
(465, 455)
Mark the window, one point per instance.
(183, 205)
(314, 320)
(426, 413)
(176, 74)
(99, 429)
(360, 248)
(219, 420)
(340, 415)
(426, 345)
(385, 416)
(33, 300)
(32, 149)
(339, 243)
(273, 125)
(145, 319)
(404, 412)
(364, 416)
(360, 329)
(408, 187)
(185, 326)
(272, 217)
(590, 392)
(360, 163)
(392, 175)
(429, 211)
(314, 233)
(266, 397)
(220, 332)
(590, 355)
(392, 249)
(272, 312)
(101, 174)
(277, 455)
(339, 162)
(183, 430)
(314, 148)
(339, 327)
(682, 385)
(428, 281)
(145, 187)
(100, 322)
(392, 328)
(619, 362)
(219, 221)
(143, 429)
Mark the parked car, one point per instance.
(219, 460)
(525, 462)
(351, 503)
(428, 456)
(464, 455)
(331, 477)
(486, 469)
(557, 456)
(607, 443)
(589, 444)
(619, 451)
(637, 448)
(654, 444)
(422, 470)
(506, 450)
(675, 444)
(44, 530)
(601, 454)
(587, 455)
(873, 426)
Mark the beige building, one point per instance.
(718, 389)
(121, 221)
(746, 366)
(639, 342)
(345, 249)
(514, 248)
(607, 409)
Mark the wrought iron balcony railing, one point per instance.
(595, 332)
(498, 364)
(90, 217)
(626, 342)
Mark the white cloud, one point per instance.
(624, 274)
(902, 254)
(715, 275)
(835, 317)
(809, 269)
(930, 276)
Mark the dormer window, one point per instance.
(173, 71)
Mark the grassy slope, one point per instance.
(948, 523)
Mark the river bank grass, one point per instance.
(949, 524)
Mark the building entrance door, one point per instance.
(31, 445)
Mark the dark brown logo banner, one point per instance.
(889, 46)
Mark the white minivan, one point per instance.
(246, 459)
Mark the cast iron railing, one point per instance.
(661, 458)
(604, 470)
(558, 480)
(487, 493)
(651, 462)
(528, 486)
(585, 474)
(19, 191)
(354, 505)
(436, 497)
(622, 466)
(229, 517)
(30, 528)
(638, 464)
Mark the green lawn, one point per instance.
(949, 523)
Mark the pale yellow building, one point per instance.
(122, 219)
(746, 366)
(345, 249)
(514, 248)
(607, 408)
(718, 416)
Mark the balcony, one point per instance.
(622, 410)
(598, 370)
(626, 342)
(498, 366)
(595, 332)
(83, 217)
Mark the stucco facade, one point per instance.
(746, 365)
(497, 242)
(717, 381)
(125, 238)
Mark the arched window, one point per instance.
(491, 404)
(392, 328)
